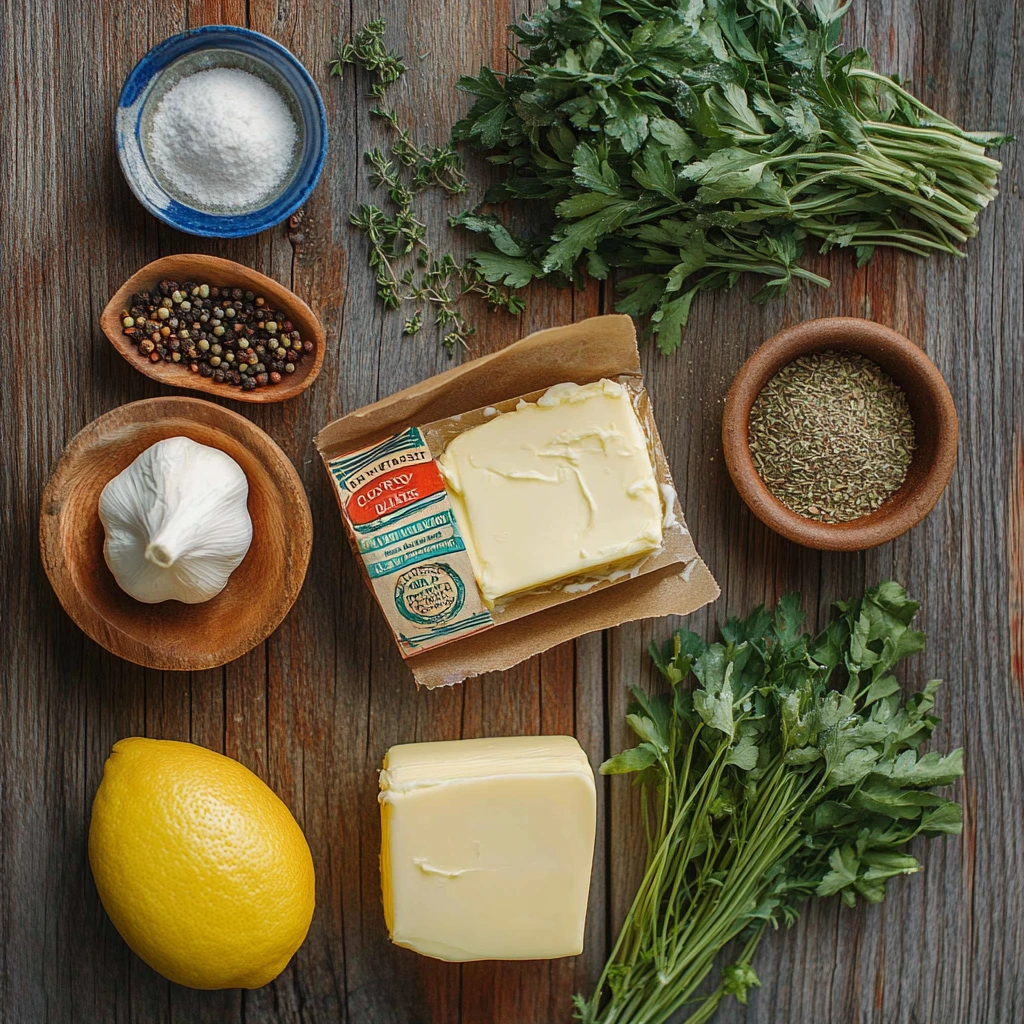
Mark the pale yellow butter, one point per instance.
(486, 847)
(555, 489)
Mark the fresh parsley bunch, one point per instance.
(792, 770)
(688, 142)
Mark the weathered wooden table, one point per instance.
(314, 708)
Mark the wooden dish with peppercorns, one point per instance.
(265, 346)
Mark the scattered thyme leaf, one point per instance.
(406, 268)
(367, 50)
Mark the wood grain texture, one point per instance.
(313, 708)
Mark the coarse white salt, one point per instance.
(223, 138)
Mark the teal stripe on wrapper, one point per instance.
(480, 619)
(344, 466)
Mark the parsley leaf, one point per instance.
(790, 772)
(739, 123)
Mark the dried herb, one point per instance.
(831, 436)
(792, 770)
(688, 142)
(407, 270)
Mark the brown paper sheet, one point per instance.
(603, 346)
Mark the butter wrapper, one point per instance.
(405, 536)
(404, 531)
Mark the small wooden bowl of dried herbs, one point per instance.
(840, 434)
(213, 325)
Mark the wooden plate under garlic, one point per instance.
(172, 635)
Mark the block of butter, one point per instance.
(514, 502)
(555, 489)
(486, 847)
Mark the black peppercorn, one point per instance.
(254, 348)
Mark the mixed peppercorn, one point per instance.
(229, 335)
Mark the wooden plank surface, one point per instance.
(314, 708)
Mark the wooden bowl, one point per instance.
(172, 635)
(931, 407)
(216, 271)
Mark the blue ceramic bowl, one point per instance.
(220, 46)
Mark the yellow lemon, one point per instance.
(202, 869)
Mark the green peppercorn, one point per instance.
(244, 346)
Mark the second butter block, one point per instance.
(487, 847)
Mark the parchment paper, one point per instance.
(675, 583)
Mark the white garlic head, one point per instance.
(176, 522)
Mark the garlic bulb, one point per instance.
(176, 522)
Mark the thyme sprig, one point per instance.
(405, 266)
